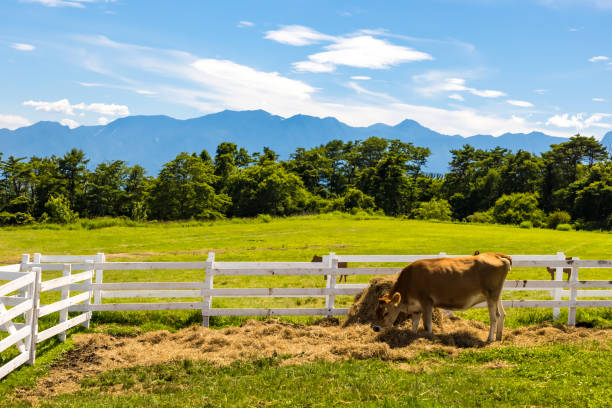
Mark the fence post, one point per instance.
(330, 300)
(25, 260)
(100, 258)
(208, 284)
(34, 313)
(63, 314)
(90, 290)
(571, 313)
(557, 291)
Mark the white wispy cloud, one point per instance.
(103, 121)
(602, 4)
(599, 100)
(363, 91)
(456, 97)
(145, 92)
(540, 91)
(65, 3)
(70, 123)
(435, 82)
(210, 85)
(580, 121)
(522, 104)
(244, 23)
(598, 58)
(361, 78)
(23, 47)
(487, 93)
(297, 35)
(12, 122)
(64, 106)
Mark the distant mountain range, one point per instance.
(152, 141)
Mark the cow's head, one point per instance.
(387, 311)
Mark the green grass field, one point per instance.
(547, 376)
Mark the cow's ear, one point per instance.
(396, 299)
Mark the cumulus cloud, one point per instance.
(103, 121)
(598, 58)
(23, 47)
(361, 78)
(70, 123)
(243, 24)
(64, 106)
(104, 109)
(435, 82)
(522, 104)
(362, 52)
(12, 122)
(580, 121)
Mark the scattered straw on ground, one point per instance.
(296, 344)
(96, 353)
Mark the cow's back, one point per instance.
(454, 283)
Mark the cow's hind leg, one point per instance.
(492, 305)
(501, 315)
(427, 315)
(416, 317)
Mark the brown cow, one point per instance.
(318, 258)
(449, 283)
(551, 271)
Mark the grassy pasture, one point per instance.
(434, 381)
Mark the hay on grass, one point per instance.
(95, 353)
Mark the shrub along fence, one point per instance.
(24, 284)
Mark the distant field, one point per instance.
(298, 238)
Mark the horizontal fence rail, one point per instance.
(83, 290)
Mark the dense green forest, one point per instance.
(568, 186)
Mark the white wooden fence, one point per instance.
(26, 279)
(27, 282)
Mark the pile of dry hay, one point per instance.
(297, 344)
(363, 310)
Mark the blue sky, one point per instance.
(456, 66)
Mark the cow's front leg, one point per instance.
(501, 315)
(492, 305)
(416, 317)
(427, 316)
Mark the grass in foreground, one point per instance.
(556, 375)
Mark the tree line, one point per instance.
(570, 183)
